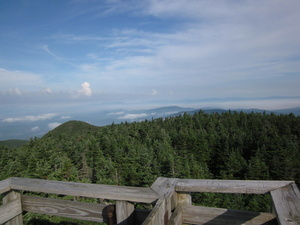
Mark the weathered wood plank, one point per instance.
(229, 186)
(184, 198)
(4, 186)
(176, 218)
(11, 210)
(161, 213)
(216, 216)
(165, 187)
(8, 211)
(64, 208)
(113, 192)
(287, 204)
(154, 217)
(125, 213)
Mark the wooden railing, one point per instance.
(170, 198)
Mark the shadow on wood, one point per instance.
(215, 216)
(109, 215)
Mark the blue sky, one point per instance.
(67, 55)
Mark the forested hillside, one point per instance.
(230, 145)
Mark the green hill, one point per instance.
(72, 129)
(13, 143)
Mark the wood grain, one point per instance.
(155, 216)
(165, 187)
(229, 186)
(176, 218)
(64, 208)
(11, 210)
(5, 186)
(125, 213)
(216, 216)
(287, 204)
(113, 192)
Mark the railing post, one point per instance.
(184, 198)
(14, 199)
(124, 213)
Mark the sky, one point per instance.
(62, 56)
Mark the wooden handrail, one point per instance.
(170, 197)
(230, 186)
(113, 192)
(5, 185)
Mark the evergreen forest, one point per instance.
(230, 145)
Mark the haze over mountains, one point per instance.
(29, 126)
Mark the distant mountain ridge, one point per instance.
(13, 143)
(24, 130)
(295, 111)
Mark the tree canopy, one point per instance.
(231, 145)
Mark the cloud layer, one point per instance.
(30, 118)
(151, 50)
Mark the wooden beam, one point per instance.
(161, 213)
(11, 210)
(287, 204)
(176, 218)
(229, 186)
(184, 198)
(113, 192)
(64, 208)
(124, 213)
(165, 187)
(4, 186)
(216, 216)
(156, 216)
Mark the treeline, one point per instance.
(232, 145)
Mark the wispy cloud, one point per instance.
(30, 118)
(18, 80)
(51, 126)
(65, 117)
(116, 113)
(35, 129)
(47, 50)
(168, 49)
(132, 116)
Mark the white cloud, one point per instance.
(214, 42)
(115, 113)
(85, 90)
(35, 129)
(65, 117)
(132, 116)
(30, 118)
(51, 126)
(170, 113)
(203, 49)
